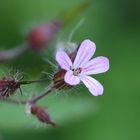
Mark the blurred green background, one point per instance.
(114, 25)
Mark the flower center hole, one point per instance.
(76, 72)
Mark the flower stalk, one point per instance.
(33, 100)
(38, 111)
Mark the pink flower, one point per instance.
(83, 66)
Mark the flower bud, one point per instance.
(40, 36)
(41, 114)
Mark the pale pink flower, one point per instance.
(83, 66)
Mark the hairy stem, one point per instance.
(33, 100)
(36, 98)
(32, 81)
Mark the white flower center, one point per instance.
(76, 71)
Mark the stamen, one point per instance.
(77, 71)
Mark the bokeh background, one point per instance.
(114, 25)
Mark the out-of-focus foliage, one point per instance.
(114, 26)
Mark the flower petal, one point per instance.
(93, 85)
(71, 79)
(97, 65)
(63, 60)
(84, 54)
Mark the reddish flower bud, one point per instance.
(43, 34)
(41, 114)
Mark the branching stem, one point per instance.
(33, 100)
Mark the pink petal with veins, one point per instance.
(97, 65)
(71, 79)
(63, 60)
(84, 54)
(93, 85)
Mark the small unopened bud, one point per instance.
(42, 114)
(40, 36)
